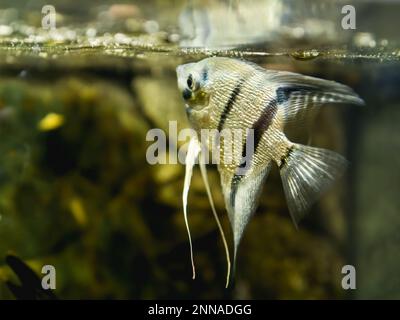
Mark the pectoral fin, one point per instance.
(191, 157)
(194, 150)
(203, 169)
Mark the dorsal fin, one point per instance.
(301, 96)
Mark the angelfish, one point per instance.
(224, 93)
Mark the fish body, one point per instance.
(228, 94)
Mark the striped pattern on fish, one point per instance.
(228, 94)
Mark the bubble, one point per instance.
(305, 55)
(5, 30)
(364, 39)
(174, 37)
(91, 32)
(151, 26)
(298, 32)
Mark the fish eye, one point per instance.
(190, 82)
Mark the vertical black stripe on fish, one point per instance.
(285, 158)
(264, 121)
(234, 187)
(229, 105)
(238, 177)
(260, 126)
(204, 74)
(283, 94)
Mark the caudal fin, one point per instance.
(306, 173)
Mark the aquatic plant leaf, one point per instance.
(31, 287)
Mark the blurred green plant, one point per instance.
(76, 192)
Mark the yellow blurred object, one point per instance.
(78, 211)
(51, 121)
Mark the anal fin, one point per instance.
(241, 198)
